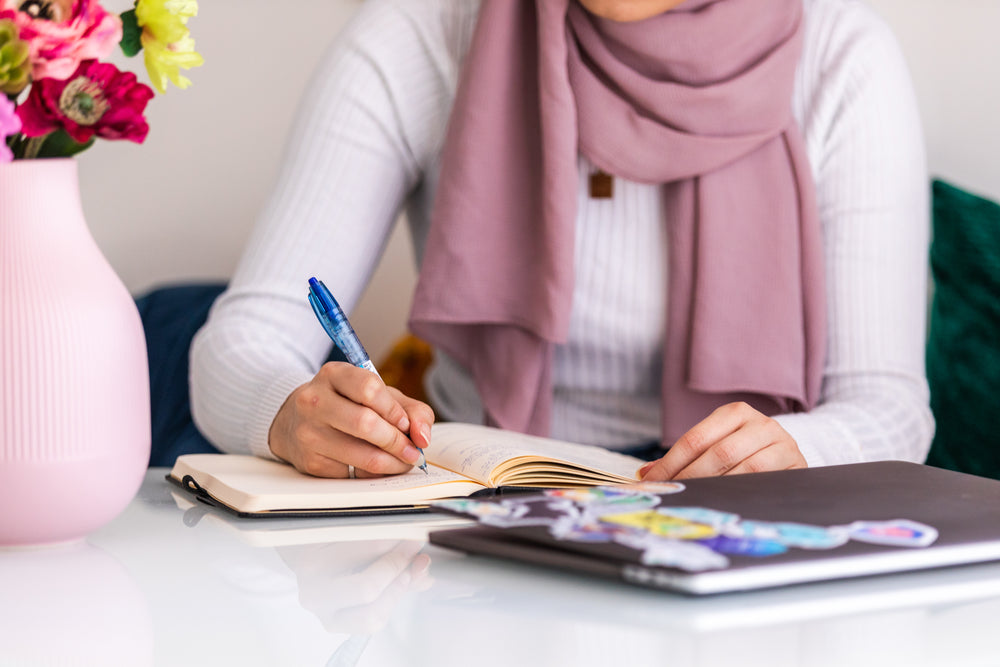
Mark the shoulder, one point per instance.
(399, 60)
(442, 28)
(852, 76)
(846, 39)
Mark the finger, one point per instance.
(421, 419)
(352, 411)
(732, 450)
(414, 409)
(698, 439)
(332, 457)
(315, 463)
(368, 460)
(779, 456)
(323, 450)
(366, 388)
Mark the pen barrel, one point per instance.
(348, 341)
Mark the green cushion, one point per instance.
(963, 348)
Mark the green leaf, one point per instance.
(17, 142)
(131, 34)
(60, 144)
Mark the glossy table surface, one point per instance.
(171, 582)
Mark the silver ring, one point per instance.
(350, 472)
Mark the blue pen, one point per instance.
(335, 324)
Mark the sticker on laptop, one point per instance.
(688, 538)
(895, 533)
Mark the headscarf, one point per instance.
(697, 99)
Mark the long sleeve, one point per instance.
(874, 199)
(372, 116)
(368, 138)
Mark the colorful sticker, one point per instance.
(493, 514)
(608, 498)
(584, 530)
(744, 546)
(689, 538)
(895, 533)
(713, 518)
(798, 535)
(662, 525)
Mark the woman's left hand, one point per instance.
(734, 439)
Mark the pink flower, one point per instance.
(62, 33)
(96, 99)
(9, 124)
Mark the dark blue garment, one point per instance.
(171, 316)
(649, 451)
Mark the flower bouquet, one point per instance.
(58, 95)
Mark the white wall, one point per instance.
(179, 207)
(954, 55)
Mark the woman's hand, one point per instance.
(346, 416)
(734, 439)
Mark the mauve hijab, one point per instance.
(698, 99)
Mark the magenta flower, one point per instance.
(62, 33)
(96, 99)
(9, 124)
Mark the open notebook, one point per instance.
(746, 531)
(463, 459)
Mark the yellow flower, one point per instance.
(14, 63)
(166, 40)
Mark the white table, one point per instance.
(170, 582)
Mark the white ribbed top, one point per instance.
(367, 142)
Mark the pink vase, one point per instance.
(74, 380)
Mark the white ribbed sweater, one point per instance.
(367, 141)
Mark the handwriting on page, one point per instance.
(414, 479)
(475, 460)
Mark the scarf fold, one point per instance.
(697, 99)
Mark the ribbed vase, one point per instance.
(74, 380)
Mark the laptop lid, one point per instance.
(746, 532)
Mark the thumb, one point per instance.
(654, 471)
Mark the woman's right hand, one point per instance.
(347, 416)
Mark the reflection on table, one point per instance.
(173, 582)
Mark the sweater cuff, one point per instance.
(269, 402)
(822, 440)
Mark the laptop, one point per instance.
(744, 532)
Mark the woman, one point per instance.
(701, 225)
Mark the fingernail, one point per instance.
(425, 433)
(645, 468)
(403, 424)
(411, 454)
